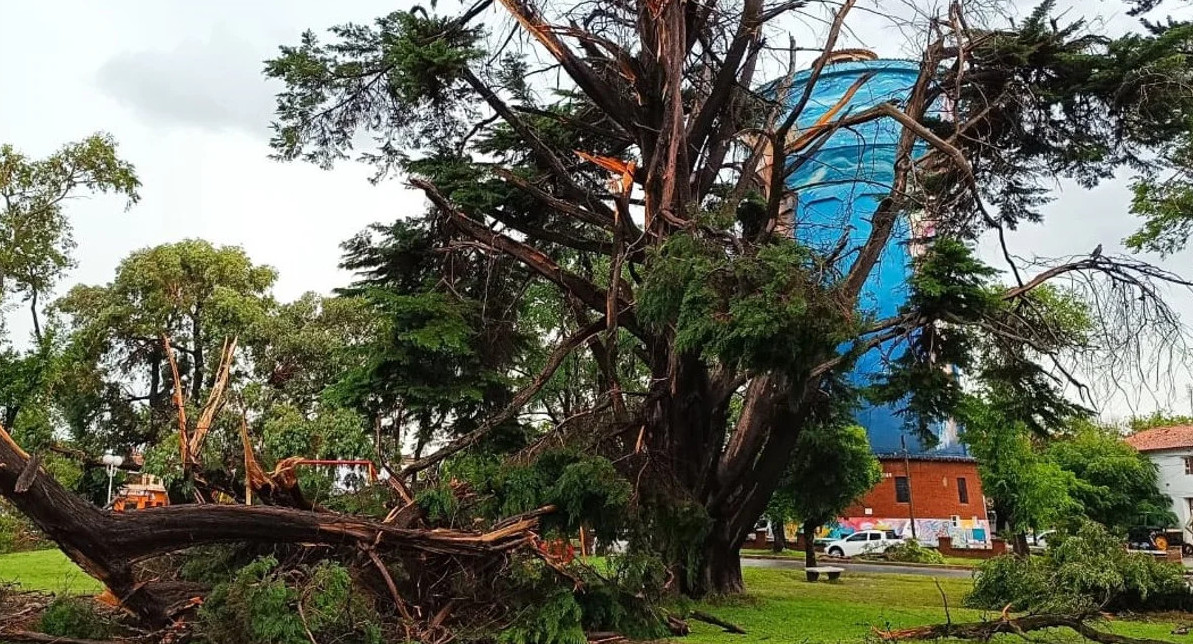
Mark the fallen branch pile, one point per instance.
(983, 631)
(110, 546)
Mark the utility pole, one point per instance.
(907, 475)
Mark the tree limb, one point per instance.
(584, 290)
(983, 631)
(520, 399)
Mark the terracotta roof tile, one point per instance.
(1160, 438)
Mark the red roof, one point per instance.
(1160, 438)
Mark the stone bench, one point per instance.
(833, 572)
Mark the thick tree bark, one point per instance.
(107, 544)
(1020, 544)
(809, 546)
(197, 341)
(721, 572)
(779, 532)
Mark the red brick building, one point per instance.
(942, 493)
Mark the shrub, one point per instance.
(75, 617)
(911, 551)
(261, 606)
(1080, 574)
(18, 534)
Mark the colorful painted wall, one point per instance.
(839, 189)
(944, 494)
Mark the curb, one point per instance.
(891, 564)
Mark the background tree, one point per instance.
(35, 250)
(196, 294)
(1116, 485)
(676, 267)
(1029, 492)
(832, 467)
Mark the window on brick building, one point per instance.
(962, 490)
(902, 490)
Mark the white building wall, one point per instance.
(1176, 483)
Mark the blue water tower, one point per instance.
(838, 190)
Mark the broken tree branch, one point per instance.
(983, 631)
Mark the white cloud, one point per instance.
(214, 82)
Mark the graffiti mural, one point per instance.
(966, 533)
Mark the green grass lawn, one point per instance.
(46, 570)
(782, 607)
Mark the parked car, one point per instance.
(862, 542)
(1038, 542)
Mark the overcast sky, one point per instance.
(178, 84)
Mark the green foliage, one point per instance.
(197, 294)
(302, 347)
(262, 605)
(966, 327)
(1080, 574)
(832, 466)
(18, 533)
(950, 285)
(1030, 491)
(545, 611)
(1116, 486)
(586, 490)
(911, 551)
(37, 234)
(438, 502)
(439, 353)
(1167, 209)
(758, 311)
(329, 433)
(75, 617)
(402, 75)
(214, 564)
(1157, 419)
(1096, 104)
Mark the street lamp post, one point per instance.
(111, 463)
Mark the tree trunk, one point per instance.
(107, 544)
(809, 547)
(779, 532)
(720, 572)
(737, 482)
(197, 341)
(1020, 544)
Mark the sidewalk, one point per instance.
(834, 561)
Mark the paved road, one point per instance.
(794, 564)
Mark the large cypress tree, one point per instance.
(609, 180)
(633, 157)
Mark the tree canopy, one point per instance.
(619, 310)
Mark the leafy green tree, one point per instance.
(297, 349)
(1116, 486)
(831, 468)
(196, 294)
(680, 289)
(1157, 419)
(35, 233)
(35, 250)
(1029, 491)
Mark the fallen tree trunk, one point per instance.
(106, 544)
(983, 631)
